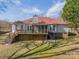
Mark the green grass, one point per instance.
(2, 38)
(38, 49)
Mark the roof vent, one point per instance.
(35, 15)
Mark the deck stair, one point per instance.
(11, 38)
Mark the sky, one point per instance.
(13, 10)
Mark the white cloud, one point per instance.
(32, 10)
(16, 2)
(54, 9)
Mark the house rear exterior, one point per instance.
(39, 24)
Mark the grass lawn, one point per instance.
(2, 38)
(48, 49)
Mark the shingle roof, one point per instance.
(45, 20)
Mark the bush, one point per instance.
(1, 32)
(72, 34)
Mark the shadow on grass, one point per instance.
(26, 46)
(22, 56)
(56, 54)
(26, 54)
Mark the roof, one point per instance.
(45, 20)
(18, 22)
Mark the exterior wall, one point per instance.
(23, 27)
(13, 28)
(18, 27)
(62, 28)
(58, 28)
(58, 31)
(41, 28)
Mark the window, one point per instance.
(28, 28)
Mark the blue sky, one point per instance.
(13, 10)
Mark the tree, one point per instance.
(71, 13)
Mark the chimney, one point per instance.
(35, 19)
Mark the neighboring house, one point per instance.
(39, 24)
(5, 26)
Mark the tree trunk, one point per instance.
(77, 31)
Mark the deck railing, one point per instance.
(32, 32)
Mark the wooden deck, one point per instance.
(22, 36)
(31, 36)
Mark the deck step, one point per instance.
(10, 38)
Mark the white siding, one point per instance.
(23, 27)
(13, 28)
(19, 27)
(61, 28)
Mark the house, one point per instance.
(5, 26)
(40, 24)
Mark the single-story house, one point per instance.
(40, 24)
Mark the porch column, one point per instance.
(25, 27)
(55, 28)
(44, 28)
(39, 28)
(29, 28)
(47, 28)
